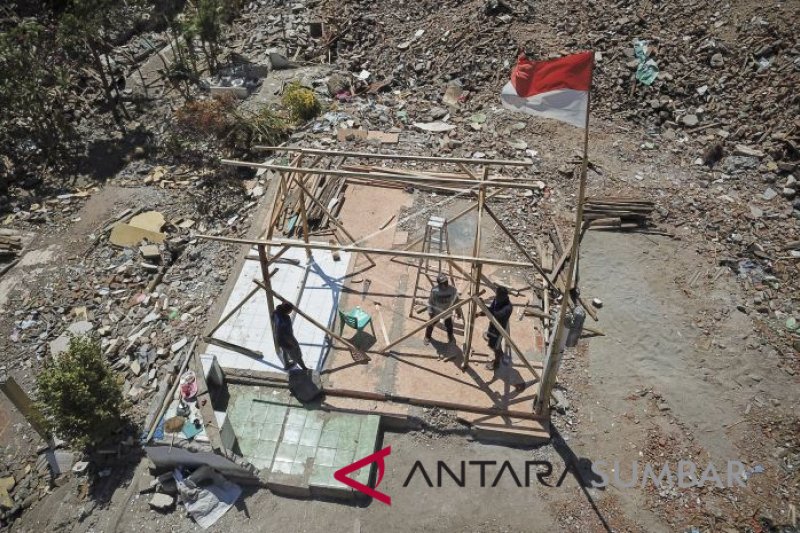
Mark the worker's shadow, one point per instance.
(448, 351)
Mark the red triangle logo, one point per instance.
(341, 475)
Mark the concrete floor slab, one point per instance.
(296, 447)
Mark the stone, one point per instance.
(6, 484)
(735, 164)
(789, 192)
(769, 194)
(690, 120)
(162, 502)
(126, 235)
(747, 151)
(149, 220)
(147, 483)
(756, 212)
(337, 83)
(717, 60)
(150, 252)
(438, 113)
(80, 468)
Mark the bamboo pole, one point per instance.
(506, 336)
(331, 218)
(475, 271)
(433, 320)
(360, 249)
(263, 261)
(454, 218)
(311, 320)
(387, 177)
(521, 248)
(553, 360)
(233, 311)
(303, 214)
(400, 157)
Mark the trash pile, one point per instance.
(143, 287)
(205, 493)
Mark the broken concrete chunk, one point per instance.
(127, 235)
(162, 502)
(178, 345)
(149, 220)
(6, 484)
(434, 127)
(151, 252)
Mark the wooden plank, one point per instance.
(361, 249)
(389, 177)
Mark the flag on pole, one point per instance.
(557, 89)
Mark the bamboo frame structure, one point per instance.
(474, 184)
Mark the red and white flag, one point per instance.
(557, 89)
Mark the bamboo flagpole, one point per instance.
(553, 360)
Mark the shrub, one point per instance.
(301, 102)
(201, 118)
(79, 396)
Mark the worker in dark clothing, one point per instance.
(443, 295)
(284, 337)
(501, 309)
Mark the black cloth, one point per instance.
(448, 325)
(284, 337)
(501, 309)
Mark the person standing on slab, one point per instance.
(501, 310)
(443, 295)
(284, 337)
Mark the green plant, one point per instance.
(301, 102)
(260, 127)
(79, 396)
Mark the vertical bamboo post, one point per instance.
(303, 213)
(263, 260)
(475, 271)
(553, 360)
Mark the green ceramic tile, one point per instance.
(261, 464)
(310, 437)
(297, 417)
(282, 467)
(291, 434)
(265, 450)
(329, 438)
(342, 458)
(276, 414)
(314, 420)
(304, 453)
(298, 469)
(258, 413)
(324, 456)
(286, 452)
(322, 476)
(270, 432)
(248, 430)
(247, 445)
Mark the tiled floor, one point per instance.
(250, 328)
(299, 445)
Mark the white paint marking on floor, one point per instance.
(249, 327)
